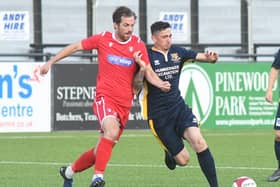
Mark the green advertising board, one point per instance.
(229, 94)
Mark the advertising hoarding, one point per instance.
(74, 87)
(25, 104)
(229, 94)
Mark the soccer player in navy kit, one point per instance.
(169, 118)
(269, 93)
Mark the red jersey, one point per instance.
(116, 65)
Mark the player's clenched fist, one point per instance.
(137, 57)
(212, 56)
(165, 86)
(44, 69)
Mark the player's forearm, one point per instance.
(272, 78)
(67, 51)
(152, 78)
(208, 56)
(138, 81)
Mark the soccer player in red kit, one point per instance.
(120, 55)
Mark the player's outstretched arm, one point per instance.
(67, 51)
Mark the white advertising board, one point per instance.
(14, 25)
(179, 22)
(25, 101)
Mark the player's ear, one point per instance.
(115, 25)
(153, 38)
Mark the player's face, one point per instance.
(163, 39)
(124, 29)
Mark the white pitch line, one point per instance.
(123, 136)
(131, 165)
(70, 136)
(3, 162)
(34, 137)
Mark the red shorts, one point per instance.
(104, 108)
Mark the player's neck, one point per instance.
(160, 49)
(119, 39)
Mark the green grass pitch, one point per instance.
(33, 159)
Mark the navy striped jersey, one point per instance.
(276, 62)
(167, 67)
(276, 65)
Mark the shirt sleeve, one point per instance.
(91, 42)
(188, 54)
(276, 62)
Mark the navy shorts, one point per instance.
(169, 129)
(277, 119)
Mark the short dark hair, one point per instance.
(159, 26)
(122, 11)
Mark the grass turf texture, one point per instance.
(33, 159)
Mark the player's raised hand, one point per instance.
(212, 56)
(44, 68)
(268, 97)
(137, 57)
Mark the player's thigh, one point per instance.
(277, 119)
(184, 119)
(164, 130)
(277, 124)
(195, 138)
(111, 127)
(108, 117)
(277, 135)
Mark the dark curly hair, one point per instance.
(122, 11)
